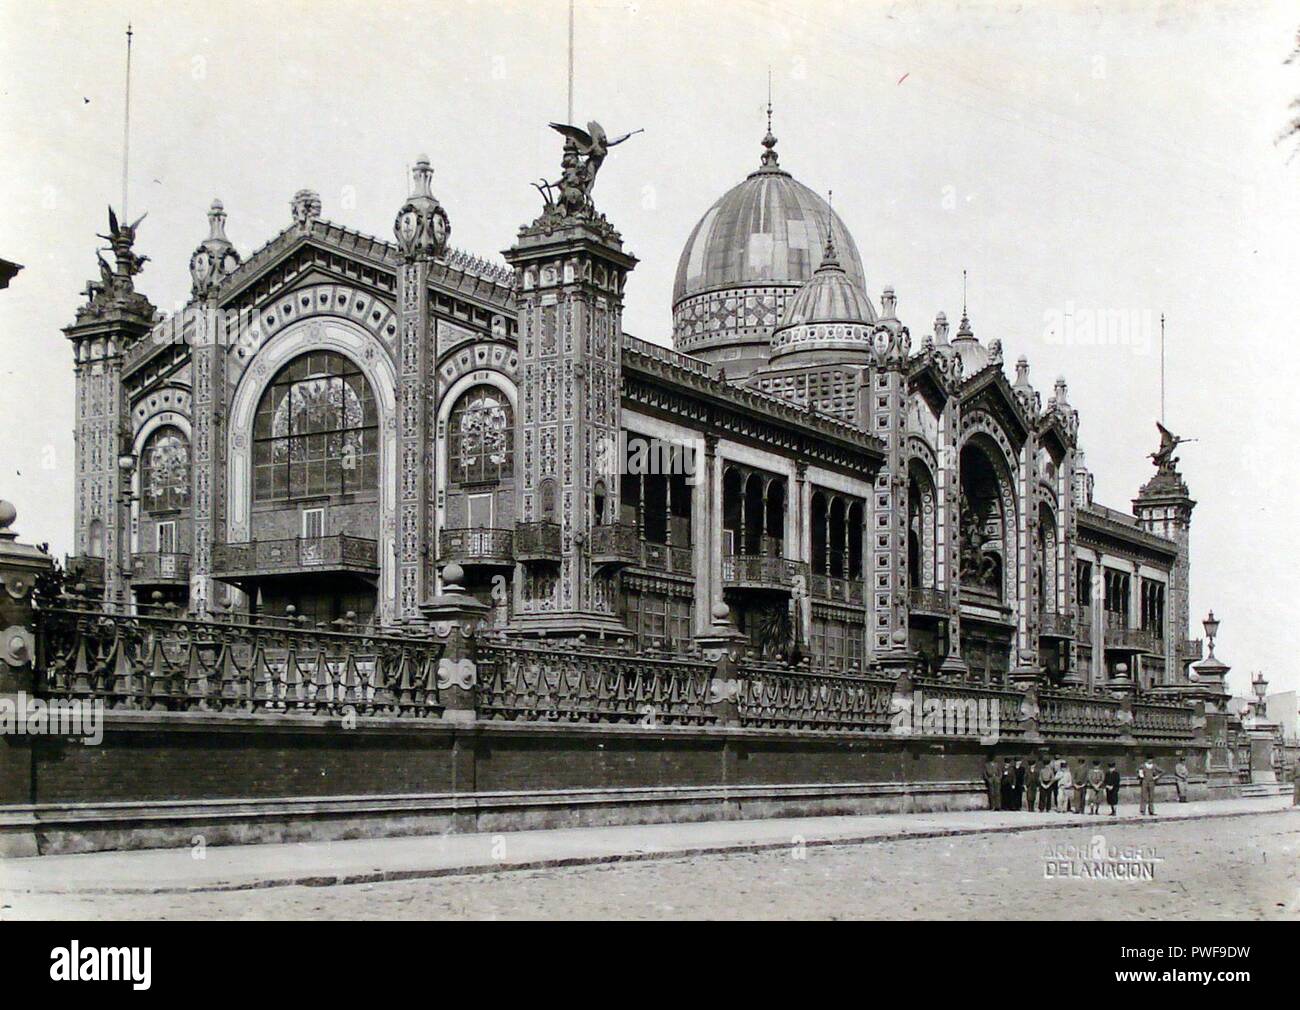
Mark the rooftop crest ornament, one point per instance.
(422, 226)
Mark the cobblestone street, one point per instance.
(1232, 868)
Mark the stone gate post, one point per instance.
(20, 565)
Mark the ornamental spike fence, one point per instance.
(168, 663)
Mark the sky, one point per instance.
(1089, 168)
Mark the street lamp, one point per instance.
(1211, 629)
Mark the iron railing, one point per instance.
(663, 558)
(181, 664)
(300, 554)
(477, 545)
(548, 684)
(759, 571)
(615, 543)
(537, 541)
(159, 568)
(1056, 625)
(831, 587)
(925, 600)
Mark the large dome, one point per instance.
(747, 256)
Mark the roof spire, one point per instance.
(963, 328)
(829, 258)
(769, 159)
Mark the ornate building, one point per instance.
(335, 419)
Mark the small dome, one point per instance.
(829, 313)
(830, 296)
(974, 355)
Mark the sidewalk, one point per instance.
(153, 871)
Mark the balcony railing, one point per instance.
(757, 571)
(929, 601)
(1056, 625)
(479, 545)
(1134, 640)
(831, 587)
(160, 569)
(340, 553)
(1190, 648)
(84, 568)
(662, 558)
(615, 544)
(537, 541)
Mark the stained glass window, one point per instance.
(165, 470)
(316, 431)
(481, 437)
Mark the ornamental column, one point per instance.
(570, 271)
(422, 229)
(211, 263)
(113, 320)
(884, 411)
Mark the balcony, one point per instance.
(835, 589)
(160, 569)
(84, 568)
(481, 547)
(928, 601)
(761, 572)
(1055, 625)
(258, 559)
(538, 541)
(1134, 640)
(663, 558)
(1190, 648)
(615, 544)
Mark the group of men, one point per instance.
(1050, 783)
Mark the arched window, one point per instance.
(481, 437)
(316, 431)
(165, 470)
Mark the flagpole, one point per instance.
(126, 124)
(1162, 368)
(570, 117)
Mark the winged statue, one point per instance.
(1164, 456)
(121, 239)
(584, 153)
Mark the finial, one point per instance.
(422, 175)
(1022, 371)
(888, 302)
(217, 221)
(829, 257)
(769, 159)
(7, 516)
(963, 293)
(941, 329)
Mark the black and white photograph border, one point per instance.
(660, 460)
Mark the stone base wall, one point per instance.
(163, 779)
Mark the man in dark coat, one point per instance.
(1008, 785)
(1020, 785)
(1112, 787)
(1031, 784)
(991, 782)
